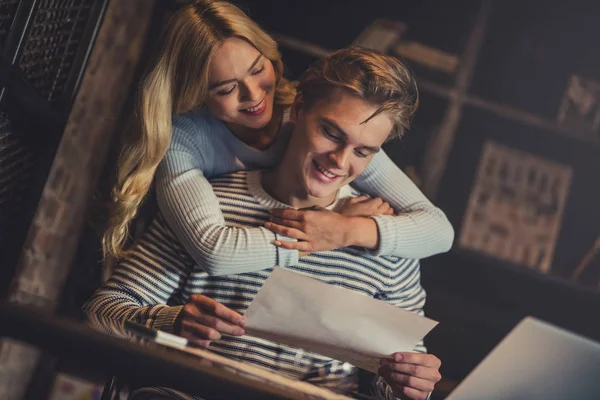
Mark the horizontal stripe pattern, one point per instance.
(158, 275)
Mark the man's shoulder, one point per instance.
(232, 178)
(232, 185)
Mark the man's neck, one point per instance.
(284, 188)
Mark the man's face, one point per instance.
(331, 144)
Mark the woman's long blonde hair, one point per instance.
(177, 84)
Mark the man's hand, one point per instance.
(203, 320)
(316, 229)
(411, 375)
(365, 206)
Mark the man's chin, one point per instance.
(322, 193)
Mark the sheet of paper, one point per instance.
(300, 311)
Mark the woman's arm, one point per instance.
(419, 229)
(186, 199)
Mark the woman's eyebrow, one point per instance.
(225, 82)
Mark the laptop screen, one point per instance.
(536, 360)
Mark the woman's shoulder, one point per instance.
(197, 129)
(195, 123)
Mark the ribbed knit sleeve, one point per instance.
(419, 229)
(186, 199)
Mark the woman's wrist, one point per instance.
(362, 232)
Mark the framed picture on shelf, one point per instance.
(515, 207)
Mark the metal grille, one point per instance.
(16, 164)
(52, 42)
(8, 10)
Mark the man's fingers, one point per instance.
(193, 330)
(419, 371)
(293, 233)
(424, 359)
(399, 379)
(199, 343)
(203, 302)
(215, 308)
(220, 325)
(414, 394)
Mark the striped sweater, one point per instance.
(152, 284)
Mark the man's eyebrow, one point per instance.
(335, 126)
(221, 83)
(332, 124)
(372, 149)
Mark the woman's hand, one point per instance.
(316, 229)
(365, 206)
(203, 320)
(319, 229)
(411, 375)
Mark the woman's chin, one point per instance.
(258, 122)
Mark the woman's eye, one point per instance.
(226, 92)
(258, 71)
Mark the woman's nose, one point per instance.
(250, 91)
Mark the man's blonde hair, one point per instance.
(368, 74)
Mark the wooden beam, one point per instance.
(441, 141)
(53, 236)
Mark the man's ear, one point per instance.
(296, 108)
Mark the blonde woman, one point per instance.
(213, 104)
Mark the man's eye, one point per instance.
(330, 134)
(361, 154)
(226, 92)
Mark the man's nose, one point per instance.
(340, 157)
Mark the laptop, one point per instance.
(536, 360)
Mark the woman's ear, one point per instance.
(296, 108)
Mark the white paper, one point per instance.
(300, 311)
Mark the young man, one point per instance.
(348, 104)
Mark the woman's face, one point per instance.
(242, 84)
